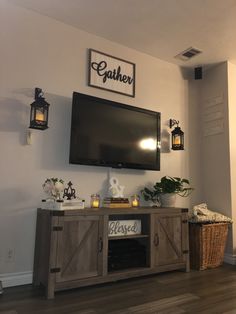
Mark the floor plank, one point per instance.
(207, 292)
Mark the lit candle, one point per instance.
(135, 200)
(135, 203)
(39, 116)
(177, 140)
(95, 203)
(95, 200)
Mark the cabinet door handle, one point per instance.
(156, 239)
(100, 246)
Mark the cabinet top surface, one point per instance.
(115, 211)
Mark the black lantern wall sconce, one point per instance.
(39, 111)
(177, 136)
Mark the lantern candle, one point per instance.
(176, 140)
(177, 136)
(95, 204)
(39, 116)
(39, 111)
(95, 200)
(135, 201)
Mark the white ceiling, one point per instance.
(160, 28)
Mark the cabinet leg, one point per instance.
(50, 292)
(36, 283)
(187, 269)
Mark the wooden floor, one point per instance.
(210, 291)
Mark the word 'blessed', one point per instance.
(115, 227)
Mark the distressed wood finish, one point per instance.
(78, 254)
(72, 246)
(168, 240)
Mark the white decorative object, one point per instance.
(53, 187)
(124, 227)
(63, 204)
(70, 204)
(48, 204)
(116, 190)
(201, 214)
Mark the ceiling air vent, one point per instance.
(188, 54)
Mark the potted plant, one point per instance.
(165, 191)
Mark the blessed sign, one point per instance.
(124, 227)
(111, 73)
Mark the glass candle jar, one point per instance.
(135, 200)
(95, 200)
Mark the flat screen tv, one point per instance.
(111, 134)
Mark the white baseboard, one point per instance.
(25, 278)
(16, 279)
(230, 259)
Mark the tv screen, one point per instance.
(107, 133)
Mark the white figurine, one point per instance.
(116, 190)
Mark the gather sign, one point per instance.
(111, 73)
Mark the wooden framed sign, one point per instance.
(124, 227)
(111, 73)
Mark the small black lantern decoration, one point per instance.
(39, 111)
(177, 136)
(69, 192)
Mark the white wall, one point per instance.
(195, 140)
(215, 152)
(215, 158)
(37, 51)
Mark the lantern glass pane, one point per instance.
(46, 114)
(39, 114)
(176, 139)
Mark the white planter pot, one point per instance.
(155, 204)
(168, 200)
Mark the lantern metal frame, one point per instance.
(177, 135)
(39, 111)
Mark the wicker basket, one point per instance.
(207, 244)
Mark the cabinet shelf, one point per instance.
(128, 253)
(133, 236)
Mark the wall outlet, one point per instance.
(10, 255)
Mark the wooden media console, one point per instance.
(74, 248)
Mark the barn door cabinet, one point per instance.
(73, 248)
(170, 243)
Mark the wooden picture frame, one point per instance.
(110, 73)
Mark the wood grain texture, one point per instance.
(72, 246)
(167, 241)
(77, 249)
(208, 292)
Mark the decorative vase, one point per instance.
(168, 199)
